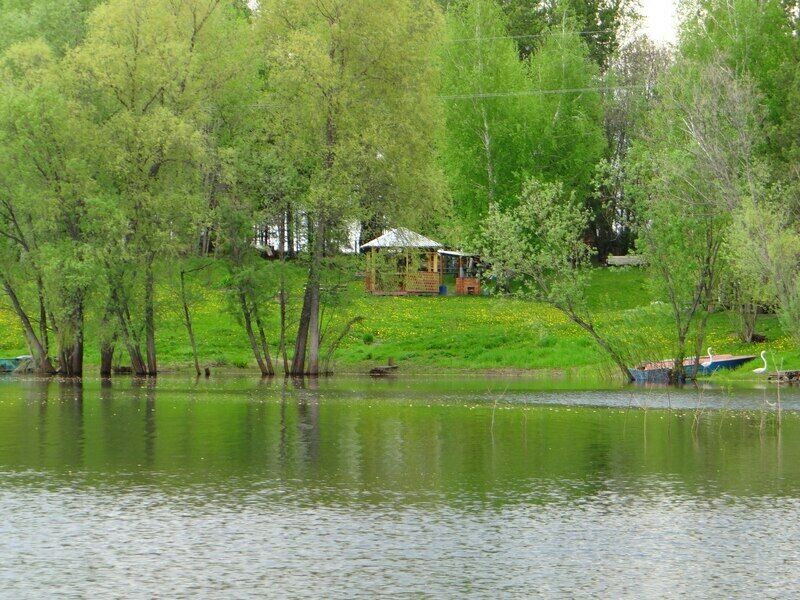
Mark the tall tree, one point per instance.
(352, 97)
(488, 138)
(603, 24)
(694, 165)
(757, 43)
(155, 70)
(632, 81)
(754, 38)
(567, 110)
(49, 183)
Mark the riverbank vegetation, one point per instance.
(441, 334)
(183, 182)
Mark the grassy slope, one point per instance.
(465, 333)
(453, 333)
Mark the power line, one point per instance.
(519, 93)
(523, 37)
(490, 95)
(538, 92)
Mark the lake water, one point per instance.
(437, 487)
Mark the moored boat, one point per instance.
(663, 372)
(9, 365)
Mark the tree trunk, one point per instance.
(134, 351)
(64, 360)
(106, 346)
(251, 336)
(343, 334)
(44, 335)
(308, 330)
(187, 319)
(314, 332)
(678, 370)
(589, 328)
(301, 342)
(205, 242)
(282, 235)
(76, 368)
(138, 366)
(120, 310)
(314, 284)
(40, 357)
(282, 342)
(282, 303)
(71, 344)
(106, 358)
(149, 318)
(290, 242)
(748, 319)
(310, 310)
(264, 344)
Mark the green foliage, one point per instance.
(539, 241)
(569, 138)
(133, 134)
(754, 38)
(693, 166)
(508, 120)
(765, 258)
(487, 139)
(350, 100)
(49, 186)
(60, 24)
(603, 23)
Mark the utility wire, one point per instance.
(527, 36)
(489, 95)
(537, 92)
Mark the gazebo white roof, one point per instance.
(402, 238)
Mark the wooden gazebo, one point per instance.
(402, 261)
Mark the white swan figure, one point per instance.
(705, 365)
(762, 370)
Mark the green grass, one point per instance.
(468, 334)
(492, 333)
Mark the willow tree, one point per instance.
(48, 185)
(755, 43)
(696, 165)
(351, 95)
(154, 70)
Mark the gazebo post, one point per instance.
(371, 270)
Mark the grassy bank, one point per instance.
(452, 334)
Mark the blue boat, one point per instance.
(9, 365)
(662, 371)
(724, 362)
